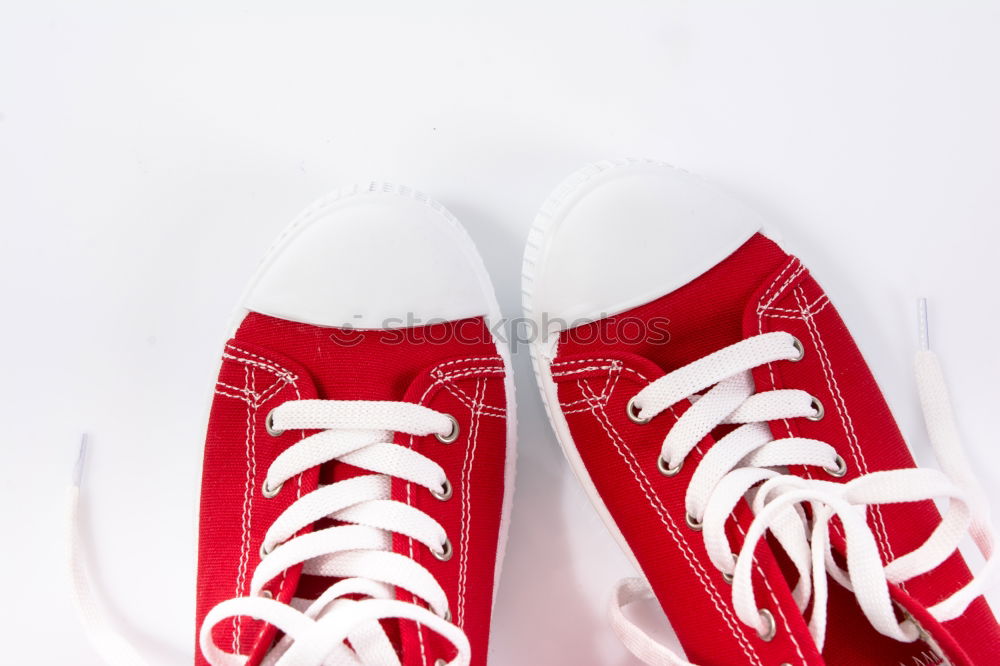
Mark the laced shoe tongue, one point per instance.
(311, 587)
(357, 365)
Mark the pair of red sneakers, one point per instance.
(359, 460)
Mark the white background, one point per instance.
(148, 156)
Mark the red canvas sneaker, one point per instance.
(359, 458)
(725, 425)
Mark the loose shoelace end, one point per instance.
(81, 461)
(923, 329)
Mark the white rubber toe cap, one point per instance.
(617, 235)
(372, 256)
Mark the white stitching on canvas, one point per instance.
(236, 389)
(578, 361)
(612, 378)
(241, 398)
(252, 397)
(760, 327)
(792, 261)
(778, 607)
(777, 294)
(473, 359)
(490, 370)
(472, 371)
(665, 518)
(614, 372)
(284, 378)
(267, 364)
(576, 371)
(258, 364)
(760, 570)
(574, 403)
(821, 302)
(241, 570)
(272, 390)
(592, 368)
(845, 419)
(470, 402)
(800, 314)
(470, 458)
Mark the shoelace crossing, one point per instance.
(748, 463)
(357, 550)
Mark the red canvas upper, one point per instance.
(450, 367)
(758, 289)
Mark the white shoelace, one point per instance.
(357, 550)
(748, 463)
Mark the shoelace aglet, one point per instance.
(81, 461)
(923, 329)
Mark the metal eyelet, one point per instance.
(447, 616)
(445, 492)
(770, 628)
(269, 425)
(818, 410)
(838, 471)
(633, 412)
(452, 435)
(440, 662)
(268, 491)
(800, 348)
(266, 594)
(665, 469)
(264, 551)
(446, 551)
(728, 577)
(692, 522)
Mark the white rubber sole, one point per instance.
(543, 351)
(493, 317)
(733, 224)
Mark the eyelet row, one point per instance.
(446, 491)
(266, 490)
(447, 551)
(818, 411)
(632, 411)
